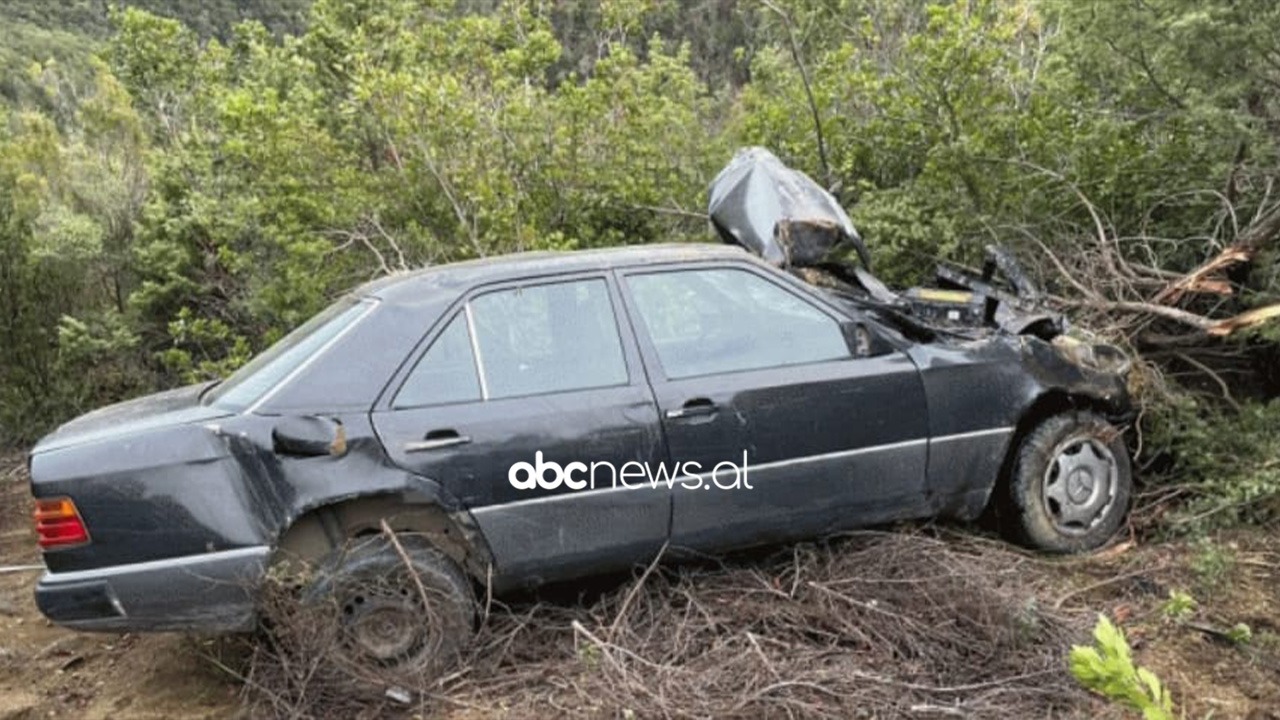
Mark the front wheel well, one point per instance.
(320, 530)
(1048, 404)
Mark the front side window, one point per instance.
(521, 341)
(721, 320)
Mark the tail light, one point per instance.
(58, 524)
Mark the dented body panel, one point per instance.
(979, 393)
(778, 213)
(187, 502)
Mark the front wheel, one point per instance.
(1071, 483)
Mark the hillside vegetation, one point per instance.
(176, 193)
(209, 18)
(66, 34)
(182, 182)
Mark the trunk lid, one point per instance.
(172, 407)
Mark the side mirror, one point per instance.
(309, 436)
(863, 340)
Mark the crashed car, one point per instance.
(448, 420)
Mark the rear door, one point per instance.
(532, 374)
(749, 368)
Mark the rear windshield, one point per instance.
(263, 373)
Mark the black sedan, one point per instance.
(547, 416)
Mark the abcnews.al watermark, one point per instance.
(689, 475)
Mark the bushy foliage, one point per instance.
(65, 35)
(389, 136)
(954, 124)
(208, 17)
(1227, 458)
(176, 197)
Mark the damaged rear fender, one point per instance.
(311, 505)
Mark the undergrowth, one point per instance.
(1222, 464)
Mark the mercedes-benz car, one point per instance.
(502, 423)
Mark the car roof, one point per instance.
(470, 273)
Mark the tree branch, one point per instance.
(808, 88)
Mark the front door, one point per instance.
(746, 362)
(526, 375)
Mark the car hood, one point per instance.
(172, 407)
(790, 221)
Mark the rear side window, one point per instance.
(548, 338)
(265, 372)
(446, 373)
(529, 340)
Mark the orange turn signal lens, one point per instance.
(58, 524)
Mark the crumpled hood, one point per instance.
(172, 407)
(778, 213)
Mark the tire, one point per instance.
(389, 628)
(1070, 484)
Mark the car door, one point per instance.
(535, 374)
(748, 367)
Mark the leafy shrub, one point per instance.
(1212, 563)
(1107, 668)
(1226, 458)
(1240, 634)
(1179, 606)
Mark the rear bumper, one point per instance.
(211, 592)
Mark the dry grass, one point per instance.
(877, 625)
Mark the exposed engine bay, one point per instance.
(786, 218)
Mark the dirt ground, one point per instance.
(46, 671)
(49, 672)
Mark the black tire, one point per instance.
(393, 623)
(1070, 484)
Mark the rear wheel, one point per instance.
(1071, 483)
(398, 616)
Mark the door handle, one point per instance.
(436, 440)
(693, 408)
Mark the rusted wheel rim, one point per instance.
(385, 623)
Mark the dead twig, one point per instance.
(408, 564)
(1057, 605)
(883, 624)
(636, 588)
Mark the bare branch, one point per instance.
(1144, 308)
(808, 89)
